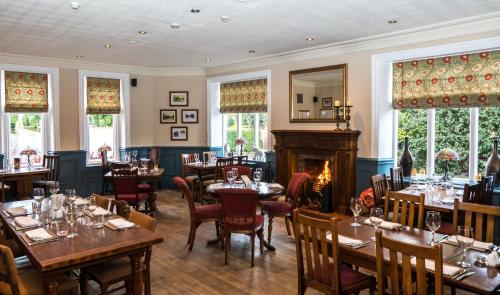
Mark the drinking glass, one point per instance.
(144, 165)
(230, 178)
(376, 218)
(61, 228)
(70, 195)
(433, 222)
(92, 206)
(54, 187)
(99, 220)
(356, 208)
(465, 239)
(71, 215)
(257, 175)
(134, 154)
(235, 173)
(35, 208)
(196, 158)
(261, 172)
(55, 205)
(44, 217)
(38, 195)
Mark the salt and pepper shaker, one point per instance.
(493, 259)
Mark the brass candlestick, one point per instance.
(336, 109)
(347, 110)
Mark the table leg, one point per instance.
(135, 263)
(200, 187)
(51, 285)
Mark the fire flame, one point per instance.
(324, 178)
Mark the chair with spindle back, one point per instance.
(3, 188)
(51, 162)
(242, 170)
(323, 270)
(218, 174)
(404, 207)
(397, 183)
(402, 272)
(477, 216)
(472, 193)
(487, 185)
(189, 176)
(380, 186)
(126, 188)
(240, 160)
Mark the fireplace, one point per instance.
(310, 151)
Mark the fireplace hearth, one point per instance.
(319, 188)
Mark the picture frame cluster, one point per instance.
(188, 116)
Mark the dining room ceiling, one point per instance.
(51, 28)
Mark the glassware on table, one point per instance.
(92, 206)
(144, 165)
(70, 195)
(356, 208)
(230, 178)
(259, 169)
(38, 195)
(70, 213)
(61, 228)
(433, 222)
(55, 206)
(35, 208)
(196, 158)
(54, 187)
(465, 239)
(235, 173)
(44, 217)
(98, 220)
(376, 218)
(257, 176)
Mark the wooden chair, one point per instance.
(218, 174)
(403, 208)
(126, 188)
(402, 272)
(323, 270)
(101, 201)
(284, 208)
(472, 193)
(207, 155)
(380, 187)
(487, 184)
(477, 216)
(239, 215)
(53, 163)
(240, 160)
(186, 173)
(3, 189)
(120, 208)
(105, 169)
(242, 170)
(198, 214)
(113, 272)
(397, 183)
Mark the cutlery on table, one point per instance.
(463, 275)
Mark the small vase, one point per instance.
(493, 163)
(406, 161)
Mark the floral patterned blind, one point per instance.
(467, 80)
(244, 96)
(103, 96)
(26, 92)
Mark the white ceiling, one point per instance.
(50, 28)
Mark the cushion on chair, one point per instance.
(276, 207)
(350, 277)
(446, 228)
(112, 271)
(144, 186)
(191, 178)
(243, 223)
(130, 198)
(212, 211)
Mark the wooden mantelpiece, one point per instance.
(340, 147)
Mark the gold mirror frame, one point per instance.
(313, 70)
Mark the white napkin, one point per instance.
(38, 234)
(80, 201)
(17, 210)
(385, 224)
(448, 270)
(101, 211)
(25, 221)
(478, 245)
(121, 223)
(345, 241)
(274, 185)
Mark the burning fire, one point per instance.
(324, 178)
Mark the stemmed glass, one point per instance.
(235, 173)
(230, 178)
(38, 195)
(54, 187)
(196, 158)
(356, 208)
(71, 215)
(71, 195)
(433, 222)
(257, 176)
(376, 218)
(55, 205)
(259, 169)
(465, 239)
(92, 206)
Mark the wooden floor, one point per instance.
(175, 270)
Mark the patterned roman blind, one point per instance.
(26, 92)
(467, 80)
(103, 96)
(244, 96)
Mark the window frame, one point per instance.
(121, 122)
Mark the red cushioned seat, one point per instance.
(213, 211)
(446, 229)
(276, 207)
(144, 186)
(131, 198)
(350, 277)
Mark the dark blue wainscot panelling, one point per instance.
(367, 167)
(75, 173)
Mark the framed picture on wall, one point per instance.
(300, 98)
(179, 98)
(168, 116)
(326, 102)
(178, 133)
(326, 113)
(304, 114)
(189, 116)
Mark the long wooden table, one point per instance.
(90, 247)
(23, 178)
(434, 202)
(485, 280)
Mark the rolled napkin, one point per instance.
(26, 221)
(101, 211)
(274, 185)
(448, 270)
(17, 211)
(385, 224)
(80, 201)
(38, 234)
(478, 245)
(121, 223)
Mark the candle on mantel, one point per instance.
(337, 103)
(349, 103)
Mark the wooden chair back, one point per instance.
(479, 217)
(120, 208)
(207, 155)
(52, 162)
(240, 160)
(183, 186)
(239, 209)
(125, 183)
(294, 188)
(380, 187)
(472, 193)
(405, 208)
(3, 188)
(186, 159)
(397, 183)
(8, 271)
(142, 220)
(487, 185)
(101, 201)
(219, 168)
(242, 170)
(321, 270)
(401, 269)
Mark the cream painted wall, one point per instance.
(143, 114)
(68, 110)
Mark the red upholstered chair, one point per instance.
(280, 208)
(242, 170)
(126, 188)
(199, 214)
(239, 211)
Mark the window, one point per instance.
(101, 133)
(26, 131)
(250, 126)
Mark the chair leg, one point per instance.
(287, 223)
(217, 228)
(269, 228)
(260, 234)
(192, 234)
(147, 282)
(301, 287)
(252, 241)
(227, 246)
(83, 277)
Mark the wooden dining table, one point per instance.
(151, 176)
(91, 246)
(485, 280)
(436, 200)
(23, 179)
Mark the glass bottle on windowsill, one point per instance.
(493, 164)
(406, 161)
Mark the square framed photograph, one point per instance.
(168, 116)
(189, 116)
(300, 98)
(326, 113)
(304, 114)
(326, 102)
(178, 133)
(179, 98)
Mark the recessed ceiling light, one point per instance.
(310, 39)
(392, 21)
(74, 4)
(175, 25)
(79, 56)
(107, 46)
(141, 32)
(224, 18)
(241, 0)
(194, 10)
(208, 59)
(132, 41)
(251, 51)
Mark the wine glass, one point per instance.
(376, 218)
(465, 239)
(356, 208)
(230, 178)
(54, 187)
(55, 205)
(92, 206)
(196, 158)
(433, 222)
(71, 215)
(144, 164)
(38, 195)
(70, 195)
(259, 169)
(235, 173)
(257, 175)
